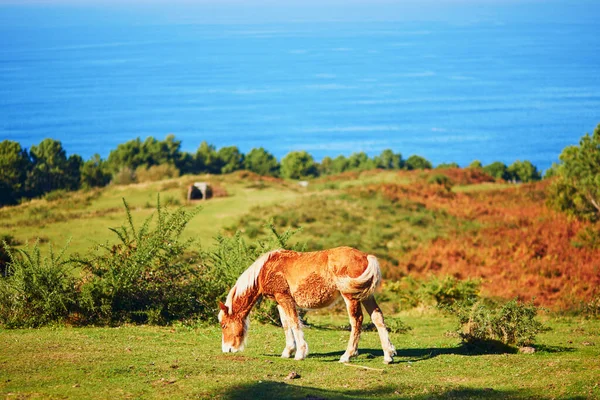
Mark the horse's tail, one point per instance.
(364, 285)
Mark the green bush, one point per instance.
(36, 290)
(513, 323)
(441, 180)
(147, 277)
(448, 290)
(156, 173)
(55, 195)
(591, 309)
(441, 292)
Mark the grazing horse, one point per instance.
(309, 281)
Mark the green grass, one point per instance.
(85, 217)
(183, 362)
(180, 362)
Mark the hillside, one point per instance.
(455, 222)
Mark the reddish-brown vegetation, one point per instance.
(517, 246)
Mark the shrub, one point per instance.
(439, 292)
(36, 290)
(588, 237)
(513, 323)
(125, 176)
(591, 309)
(448, 291)
(147, 276)
(441, 180)
(55, 195)
(156, 173)
(417, 162)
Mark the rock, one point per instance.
(292, 375)
(527, 350)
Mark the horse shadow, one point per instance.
(479, 348)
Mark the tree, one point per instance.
(135, 153)
(576, 189)
(298, 165)
(231, 159)
(447, 165)
(52, 169)
(389, 160)
(339, 164)
(523, 171)
(476, 164)
(261, 162)
(129, 154)
(14, 166)
(94, 173)
(207, 159)
(497, 170)
(417, 162)
(360, 161)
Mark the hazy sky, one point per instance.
(257, 11)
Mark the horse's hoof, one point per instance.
(388, 360)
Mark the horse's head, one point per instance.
(234, 328)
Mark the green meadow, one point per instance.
(184, 360)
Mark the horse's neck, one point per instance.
(244, 303)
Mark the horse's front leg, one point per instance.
(356, 317)
(287, 303)
(290, 343)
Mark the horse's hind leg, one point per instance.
(356, 317)
(377, 317)
(290, 343)
(287, 303)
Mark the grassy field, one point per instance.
(499, 233)
(84, 217)
(182, 362)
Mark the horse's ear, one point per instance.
(224, 308)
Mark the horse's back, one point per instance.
(315, 279)
(347, 261)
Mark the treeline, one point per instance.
(26, 174)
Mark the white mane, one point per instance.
(248, 279)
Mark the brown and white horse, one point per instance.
(309, 281)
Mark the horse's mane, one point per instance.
(248, 279)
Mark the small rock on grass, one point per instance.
(527, 350)
(292, 375)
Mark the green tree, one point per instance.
(447, 165)
(298, 165)
(476, 164)
(94, 173)
(389, 160)
(157, 152)
(498, 170)
(129, 154)
(360, 161)
(135, 153)
(417, 162)
(339, 164)
(207, 159)
(261, 162)
(14, 165)
(576, 189)
(52, 169)
(231, 159)
(523, 171)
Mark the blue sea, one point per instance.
(448, 90)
